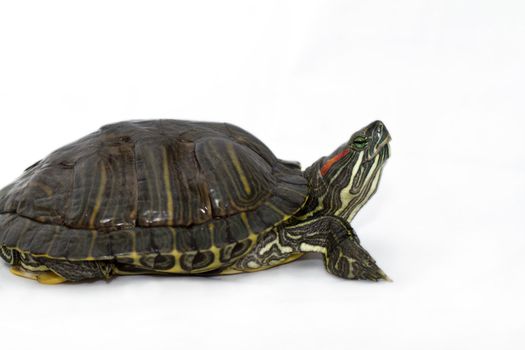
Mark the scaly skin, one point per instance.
(340, 185)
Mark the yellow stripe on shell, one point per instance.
(238, 168)
(100, 194)
(167, 184)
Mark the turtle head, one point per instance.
(345, 180)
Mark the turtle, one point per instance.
(168, 197)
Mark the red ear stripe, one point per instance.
(332, 161)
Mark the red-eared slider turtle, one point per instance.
(181, 197)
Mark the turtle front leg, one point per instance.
(269, 251)
(336, 240)
(328, 235)
(346, 258)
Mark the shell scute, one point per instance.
(148, 188)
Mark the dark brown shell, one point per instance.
(149, 187)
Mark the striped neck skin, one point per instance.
(343, 182)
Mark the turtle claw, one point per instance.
(21, 272)
(44, 277)
(347, 259)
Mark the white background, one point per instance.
(448, 79)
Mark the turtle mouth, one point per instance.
(382, 151)
(385, 151)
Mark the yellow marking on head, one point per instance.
(372, 190)
(345, 195)
(167, 184)
(238, 168)
(100, 194)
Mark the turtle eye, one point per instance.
(360, 142)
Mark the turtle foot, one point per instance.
(44, 277)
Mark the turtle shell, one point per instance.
(169, 195)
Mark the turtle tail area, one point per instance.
(10, 256)
(23, 265)
(52, 271)
(77, 271)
